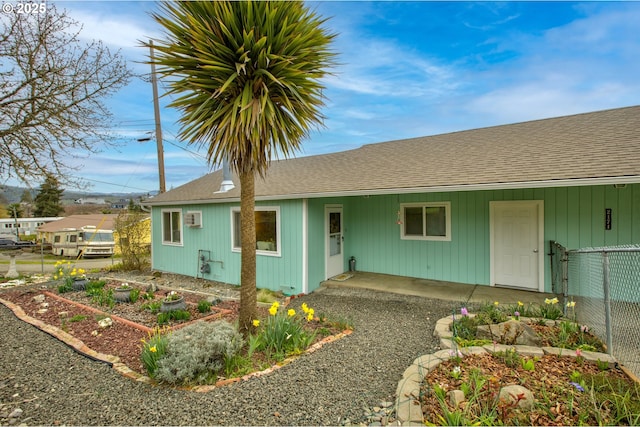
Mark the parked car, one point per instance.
(10, 244)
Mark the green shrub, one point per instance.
(196, 353)
(464, 327)
(204, 306)
(167, 316)
(94, 284)
(490, 313)
(268, 296)
(65, 287)
(153, 349)
(550, 309)
(134, 295)
(283, 332)
(102, 297)
(153, 306)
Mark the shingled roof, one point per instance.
(101, 221)
(582, 149)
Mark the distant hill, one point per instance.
(14, 194)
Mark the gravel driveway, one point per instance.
(42, 381)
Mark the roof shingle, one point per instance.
(604, 144)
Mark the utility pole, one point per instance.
(15, 219)
(156, 111)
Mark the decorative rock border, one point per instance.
(408, 408)
(114, 361)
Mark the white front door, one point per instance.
(517, 244)
(333, 243)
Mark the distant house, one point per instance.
(23, 226)
(478, 207)
(90, 201)
(120, 204)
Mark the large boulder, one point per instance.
(511, 332)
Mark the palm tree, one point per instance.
(246, 77)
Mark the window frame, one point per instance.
(277, 253)
(424, 205)
(171, 212)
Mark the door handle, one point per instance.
(535, 251)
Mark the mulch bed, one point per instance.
(74, 313)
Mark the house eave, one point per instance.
(554, 183)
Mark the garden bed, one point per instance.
(132, 324)
(553, 368)
(76, 314)
(566, 391)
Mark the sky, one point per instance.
(405, 69)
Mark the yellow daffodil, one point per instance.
(571, 304)
(273, 310)
(81, 271)
(275, 304)
(496, 303)
(153, 349)
(520, 303)
(305, 308)
(291, 312)
(256, 323)
(309, 317)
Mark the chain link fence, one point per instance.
(605, 283)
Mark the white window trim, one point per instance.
(168, 242)
(447, 210)
(278, 238)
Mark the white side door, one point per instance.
(334, 254)
(517, 244)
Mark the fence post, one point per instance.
(607, 301)
(564, 261)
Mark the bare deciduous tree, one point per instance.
(52, 91)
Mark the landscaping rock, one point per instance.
(509, 332)
(105, 323)
(519, 394)
(456, 397)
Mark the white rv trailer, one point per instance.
(87, 241)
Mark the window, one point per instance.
(426, 221)
(171, 227)
(267, 230)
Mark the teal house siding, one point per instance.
(315, 243)
(282, 272)
(573, 216)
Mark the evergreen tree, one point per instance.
(15, 210)
(48, 200)
(26, 201)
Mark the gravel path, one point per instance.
(42, 381)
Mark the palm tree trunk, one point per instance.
(248, 299)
